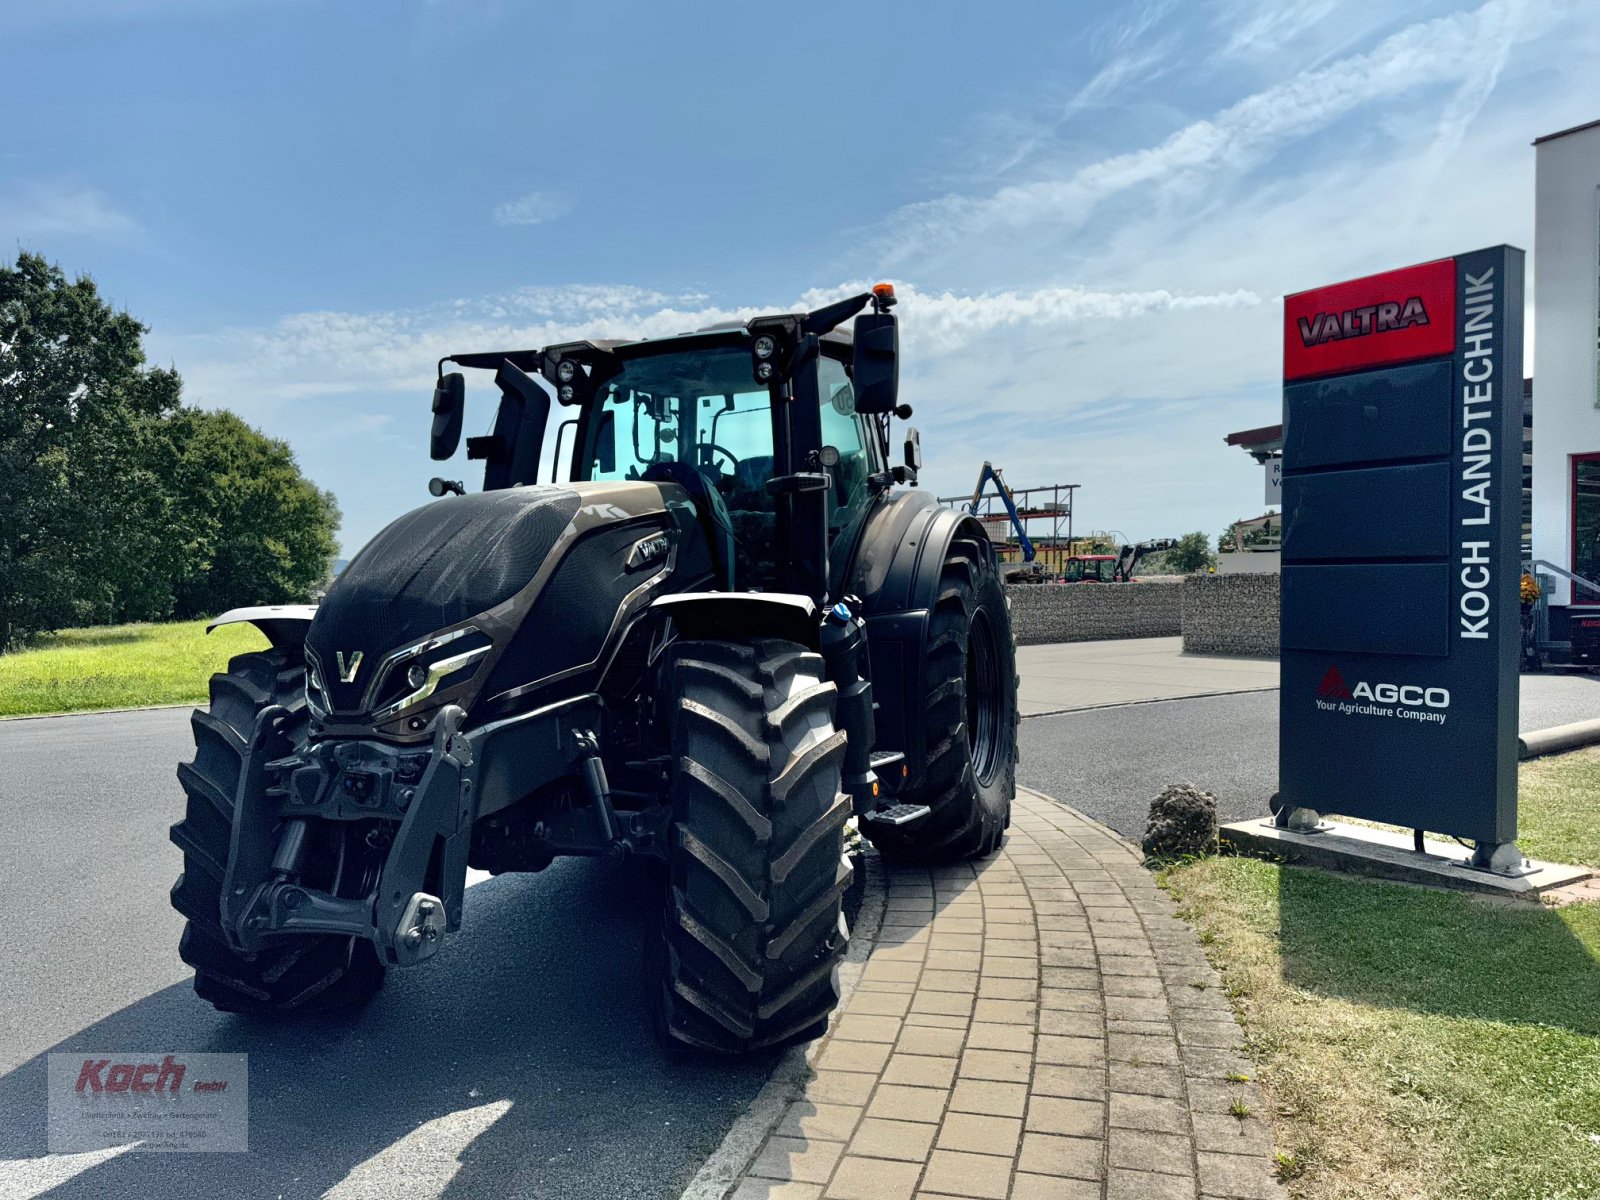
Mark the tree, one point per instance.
(1242, 535)
(1192, 553)
(80, 512)
(119, 504)
(255, 531)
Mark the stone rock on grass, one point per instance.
(1183, 823)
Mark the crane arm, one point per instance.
(987, 474)
(1128, 558)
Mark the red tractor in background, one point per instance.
(1113, 568)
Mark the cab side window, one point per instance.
(842, 429)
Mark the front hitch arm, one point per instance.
(406, 923)
(409, 923)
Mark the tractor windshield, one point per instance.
(698, 407)
(701, 408)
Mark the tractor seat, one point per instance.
(753, 473)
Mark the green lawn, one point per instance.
(118, 666)
(1414, 1042)
(1558, 808)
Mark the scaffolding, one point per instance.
(1046, 515)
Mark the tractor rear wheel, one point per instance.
(310, 972)
(753, 929)
(969, 700)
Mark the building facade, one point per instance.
(1566, 352)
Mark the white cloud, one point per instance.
(1010, 360)
(1261, 30)
(62, 210)
(533, 209)
(341, 353)
(1454, 48)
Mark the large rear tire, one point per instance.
(969, 704)
(753, 929)
(290, 972)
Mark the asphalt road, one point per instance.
(516, 1063)
(1111, 762)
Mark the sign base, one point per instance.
(1388, 854)
(1500, 858)
(1300, 820)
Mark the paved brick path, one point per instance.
(1036, 1025)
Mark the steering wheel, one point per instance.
(712, 447)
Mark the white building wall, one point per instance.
(1249, 562)
(1566, 295)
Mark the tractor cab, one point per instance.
(778, 430)
(1091, 568)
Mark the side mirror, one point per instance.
(605, 442)
(875, 363)
(449, 409)
(913, 451)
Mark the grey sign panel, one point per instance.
(1382, 512)
(1366, 608)
(1372, 416)
(1402, 487)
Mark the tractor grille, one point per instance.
(433, 568)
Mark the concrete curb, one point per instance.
(1558, 739)
(720, 1173)
(1057, 712)
(101, 712)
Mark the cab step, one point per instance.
(897, 814)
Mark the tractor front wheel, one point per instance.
(753, 929)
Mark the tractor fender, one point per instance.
(903, 550)
(284, 624)
(896, 575)
(742, 614)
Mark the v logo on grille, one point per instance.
(347, 670)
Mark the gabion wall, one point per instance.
(1092, 612)
(1231, 614)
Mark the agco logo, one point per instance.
(1334, 687)
(1389, 317)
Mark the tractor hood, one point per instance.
(490, 596)
(428, 571)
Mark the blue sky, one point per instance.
(1091, 210)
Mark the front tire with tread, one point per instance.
(753, 928)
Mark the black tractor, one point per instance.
(726, 635)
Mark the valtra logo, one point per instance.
(1365, 321)
(1380, 321)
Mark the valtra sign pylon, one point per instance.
(1402, 414)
